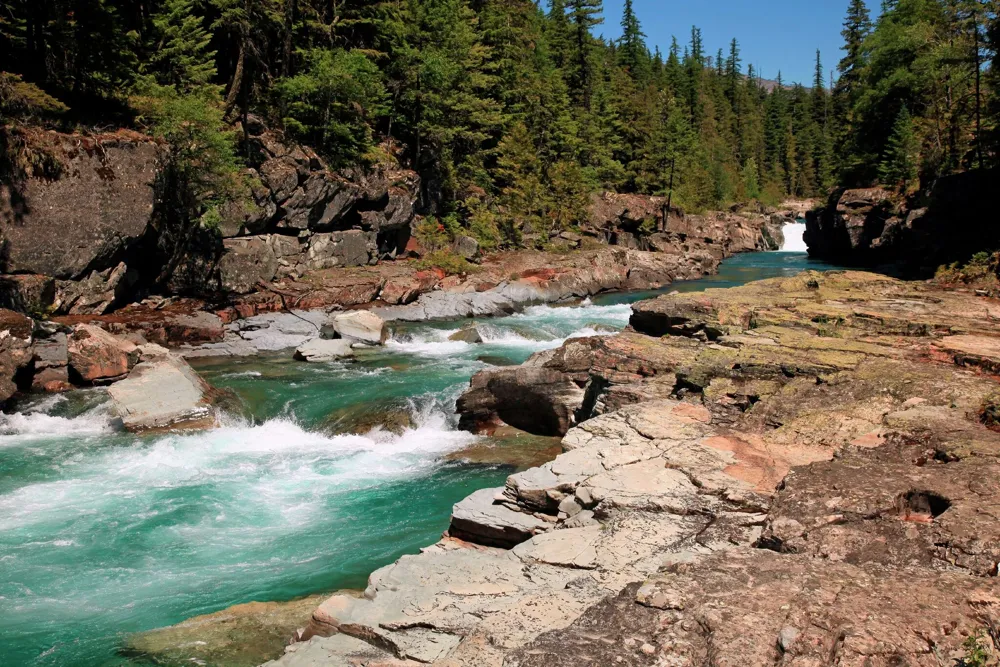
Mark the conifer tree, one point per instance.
(584, 15)
(632, 51)
(182, 57)
(899, 160)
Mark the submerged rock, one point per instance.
(243, 635)
(467, 335)
(320, 349)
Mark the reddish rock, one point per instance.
(15, 350)
(96, 356)
(405, 289)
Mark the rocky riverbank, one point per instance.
(747, 474)
(913, 235)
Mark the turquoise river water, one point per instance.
(103, 533)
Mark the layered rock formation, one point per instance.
(796, 471)
(874, 226)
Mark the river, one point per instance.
(103, 533)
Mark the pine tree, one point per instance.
(857, 26)
(993, 105)
(823, 148)
(584, 15)
(632, 52)
(182, 57)
(899, 160)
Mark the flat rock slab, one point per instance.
(360, 326)
(971, 350)
(481, 519)
(163, 393)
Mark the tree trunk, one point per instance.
(237, 82)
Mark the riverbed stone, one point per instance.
(319, 349)
(821, 458)
(96, 356)
(163, 392)
(360, 326)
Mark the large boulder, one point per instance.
(162, 392)
(465, 246)
(321, 349)
(359, 326)
(95, 356)
(535, 399)
(351, 248)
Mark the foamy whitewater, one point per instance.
(794, 241)
(329, 472)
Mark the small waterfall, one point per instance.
(794, 242)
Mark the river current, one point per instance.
(103, 533)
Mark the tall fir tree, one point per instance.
(632, 52)
(584, 15)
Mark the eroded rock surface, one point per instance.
(799, 471)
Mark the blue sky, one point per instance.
(773, 34)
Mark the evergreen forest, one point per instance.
(513, 113)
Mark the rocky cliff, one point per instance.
(874, 226)
(799, 471)
(91, 234)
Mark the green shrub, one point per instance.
(448, 262)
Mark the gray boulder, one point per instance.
(360, 326)
(320, 349)
(465, 246)
(351, 248)
(246, 262)
(162, 392)
(467, 335)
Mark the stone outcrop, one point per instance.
(95, 210)
(854, 225)
(754, 607)
(92, 233)
(870, 227)
(795, 471)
